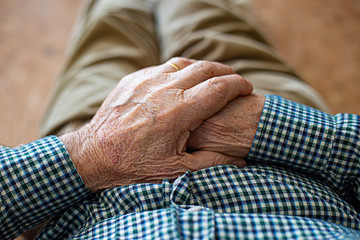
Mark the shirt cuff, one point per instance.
(38, 180)
(293, 135)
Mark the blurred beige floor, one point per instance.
(33, 34)
(320, 39)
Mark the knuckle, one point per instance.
(205, 68)
(177, 59)
(218, 87)
(241, 79)
(181, 62)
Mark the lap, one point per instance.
(114, 38)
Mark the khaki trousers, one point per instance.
(116, 37)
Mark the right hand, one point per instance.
(232, 130)
(139, 134)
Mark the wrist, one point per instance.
(253, 109)
(80, 151)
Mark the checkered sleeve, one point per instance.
(37, 180)
(310, 141)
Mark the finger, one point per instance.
(207, 98)
(205, 159)
(176, 64)
(199, 72)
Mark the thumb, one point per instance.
(204, 159)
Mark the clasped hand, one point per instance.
(140, 132)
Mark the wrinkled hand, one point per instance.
(232, 130)
(139, 134)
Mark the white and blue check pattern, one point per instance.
(37, 180)
(302, 182)
(306, 140)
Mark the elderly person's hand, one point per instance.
(139, 134)
(232, 130)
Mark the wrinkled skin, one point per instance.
(232, 130)
(140, 132)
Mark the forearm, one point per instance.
(37, 181)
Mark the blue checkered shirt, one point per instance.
(302, 182)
